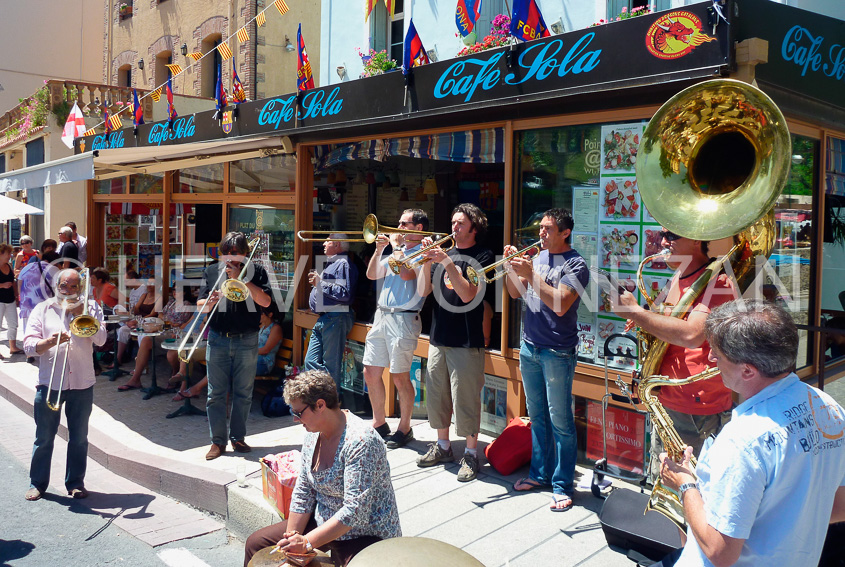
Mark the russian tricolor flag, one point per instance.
(415, 54)
(466, 14)
(527, 22)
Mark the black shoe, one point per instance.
(383, 430)
(400, 439)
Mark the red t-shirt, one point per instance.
(706, 397)
(107, 298)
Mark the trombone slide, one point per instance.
(413, 260)
(473, 275)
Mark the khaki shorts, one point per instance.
(455, 380)
(392, 340)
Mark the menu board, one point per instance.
(121, 244)
(494, 401)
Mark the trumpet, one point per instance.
(369, 233)
(234, 289)
(412, 261)
(473, 275)
(83, 326)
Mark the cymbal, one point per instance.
(413, 552)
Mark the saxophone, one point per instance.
(711, 164)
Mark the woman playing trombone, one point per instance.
(72, 383)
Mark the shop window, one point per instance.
(275, 173)
(275, 227)
(114, 186)
(146, 183)
(388, 33)
(833, 273)
(201, 179)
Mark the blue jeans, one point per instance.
(547, 378)
(230, 359)
(328, 341)
(77, 404)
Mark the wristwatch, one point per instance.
(686, 486)
(308, 547)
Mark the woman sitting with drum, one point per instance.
(343, 500)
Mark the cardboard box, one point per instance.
(278, 494)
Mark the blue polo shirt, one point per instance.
(396, 292)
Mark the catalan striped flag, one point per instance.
(225, 51)
(238, 94)
(281, 6)
(116, 122)
(156, 94)
(90, 132)
(174, 69)
(391, 7)
(243, 35)
(261, 19)
(369, 6)
(171, 109)
(415, 54)
(304, 77)
(527, 22)
(196, 55)
(106, 119)
(137, 110)
(466, 14)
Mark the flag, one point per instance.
(391, 7)
(107, 121)
(115, 122)
(196, 55)
(74, 126)
(260, 19)
(174, 69)
(369, 6)
(466, 14)
(171, 110)
(243, 35)
(304, 78)
(281, 7)
(527, 22)
(156, 94)
(90, 132)
(137, 111)
(415, 54)
(238, 94)
(219, 91)
(225, 52)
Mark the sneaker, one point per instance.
(400, 439)
(383, 430)
(434, 455)
(469, 468)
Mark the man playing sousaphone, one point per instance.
(698, 410)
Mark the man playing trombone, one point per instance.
(393, 337)
(232, 349)
(71, 384)
(549, 285)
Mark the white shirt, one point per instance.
(44, 322)
(770, 476)
(135, 296)
(82, 244)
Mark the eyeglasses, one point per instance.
(298, 414)
(405, 223)
(669, 235)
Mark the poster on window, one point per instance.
(494, 402)
(620, 199)
(623, 349)
(656, 286)
(352, 367)
(418, 382)
(585, 200)
(619, 147)
(587, 341)
(619, 246)
(587, 246)
(653, 244)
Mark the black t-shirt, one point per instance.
(7, 295)
(235, 316)
(463, 329)
(70, 251)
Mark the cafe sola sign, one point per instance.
(625, 435)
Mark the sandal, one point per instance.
(557, 500)
(127, 387)
(176, 378)
(525, 484)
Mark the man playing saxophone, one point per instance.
(769, 484)
(698, 410)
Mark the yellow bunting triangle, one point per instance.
(224, 51)
(156, 94)
(196, 55)
(243, 35)
(174, 69)
(90, 132)
(281, 7)
(115, 122)
(261, 19)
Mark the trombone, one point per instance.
(494, 273)
(83, 326)
(369, 233)
(234, 289)
(411, 261)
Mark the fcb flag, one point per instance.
(137, 111)
(260, 19)
(466, 14)
(415, 54)
(281, 7)
(74, 127)
(225, 52)
(174, 69)
(156, 94)
(219, 91)
(196, 55)
(238, 94)
(243, 35)
(171, 110)
(527, 22)
(369, 6)
(304, 78)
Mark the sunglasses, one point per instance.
(298, 414)
(669, 235)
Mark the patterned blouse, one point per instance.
(356, 490)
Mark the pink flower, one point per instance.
(625, 9)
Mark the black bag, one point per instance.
(653, 535)
(273, 404)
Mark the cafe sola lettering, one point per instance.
(182, 129)
(808, 52)
(315, 104)
(108, 141)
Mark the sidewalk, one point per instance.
(486, 518)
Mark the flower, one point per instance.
(625, 9)
(375, 62)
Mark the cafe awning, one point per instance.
(107, 164)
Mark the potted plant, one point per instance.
(499, 36)
(125, 10)
(625, 14)
(376, 63)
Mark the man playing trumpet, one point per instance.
(46, 331)
(396, 328)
